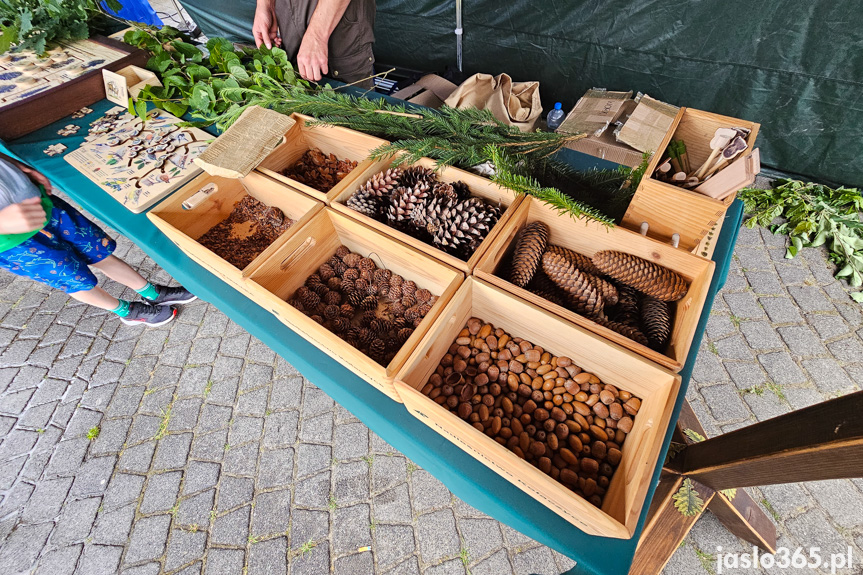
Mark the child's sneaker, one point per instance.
(150, 315)
(173, 296)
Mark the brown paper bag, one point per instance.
(514, 103)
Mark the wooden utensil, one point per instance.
(721, 138)
(730, 152)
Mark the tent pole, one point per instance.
(458, 34)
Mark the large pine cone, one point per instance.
(623, 329)
(656, 322)
(627, 309)
(576, 259)
(414, 175)
(583, 296)
(469, 223)
(547, 289)
(365, 203)
(528, 252)
(403, 203)
(435, 212)
(606, 290)
(647, 277)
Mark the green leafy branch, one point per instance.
(30, 25)
(815, 215)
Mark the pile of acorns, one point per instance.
(372, 309)
(543, 408)
(319, 170)
(415, 202)
(620, 291)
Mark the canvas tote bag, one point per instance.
(514, 103)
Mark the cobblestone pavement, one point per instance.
(215, 456)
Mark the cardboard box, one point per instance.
(431, 90)
(595, 112)
(606, 146)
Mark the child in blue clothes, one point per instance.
(44, 238)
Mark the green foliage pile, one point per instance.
(814, 215)
(30, 25)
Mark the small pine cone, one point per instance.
(318, 319)
(409, 288)
(347, 286)
(416, 323)
(326, 272)
(333, 298)
(581, 262)
(334, 283)
(399, 323)
(381, 326)
(529, 248)
(416, 174)
(397, 309)
(409, 301)
(395, 293)
(372, 289)
(397, 280)
(310, 300)
(645, 276)
(377, 349)
(340, 268)
(321, 289)
(432, 300)
(302, 291)
(462, 190)
(313, 280)
(340, 325)
(655, 322)
(367, 318)
(412, 313)
(297, 304)
(424, 309)
(365, 336)
(351, 274)
(405, 333)
(342, 251)
(367, 275)
(347, 310)
(333, 261)
(383, 276)
(367, 264)
(423, 295)
(331, 312)
(361, 285)
(356, 298)
(606, 289)
(370, 302)
(623, 329)
(353, 336)
(352, 260)
(582, 295)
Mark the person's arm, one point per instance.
(266, 28)
(35, 176)
(314, 53)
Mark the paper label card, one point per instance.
(116, 90)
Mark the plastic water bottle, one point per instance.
(555, 117)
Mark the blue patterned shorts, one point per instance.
(61, 260)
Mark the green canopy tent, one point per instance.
(795, 67)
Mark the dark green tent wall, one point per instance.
(796, 67)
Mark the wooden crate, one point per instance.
(184, 227)
(344, 143)
(587, 238)
(56, 103)
(657, 388)
(479, 186)
(672, 209)
(286, 270)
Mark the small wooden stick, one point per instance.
(730, 152)
(721, 138)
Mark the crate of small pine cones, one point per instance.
(635, 291)
(363, 298)
(447, 213)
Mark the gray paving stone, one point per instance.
(286, 393)
(481, 536)
(828, 326)
(211, 446)
(428, 492)
(733, 347)
(275, 468)
(253, 402)
(312, 563)
(234, 491)
(59, 561)
(313, 492)
(149, 536)
(801, 340)
(113, 527)
(76, 521)
(255, 375)
(20, 550)
(144, 427)
(437, 536)
(708, 368)
(223, 392)
(225, 561)
(200, 475)
(14, 403)
(312, 458)
(47, 499)
(161, 492)
(351, 440)
(358, 563)
(745, 374)
(242, 460)
(765, 405)
(781, 309)
(840, 499)
(318, 428)
(184, 414)
(827, 374)
(194, 569)
(10, 471)
(214, 417)
(196, 510)
(16, 498)
(351, 482)
(393, 506)
(157, 401)
(388, 471)
(112, 436)
(193, 381)
(307, 525)
(82, 421)
(92, 477)
(725, 402)
(226, 368)
(781, 368)
(125, 401)
(173, 451)
(393, 543)
(245, 429)
(232, 528)
(719, 326)
(184, 547)
(810, 298)
(351, 528)
(272, 512)
(204, 350)
(814, 526)
(235, 346)
(786, 499)
(99, 560)
(848, 349)
(494, 565)
(537, 560)
(67, 457)
(268, 557)
(48, 391)
(137, 459)
(800, 397)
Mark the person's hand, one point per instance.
(23, 217)
(36, 177)
(265, 28)
(312, 57)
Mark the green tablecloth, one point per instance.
(466, 477)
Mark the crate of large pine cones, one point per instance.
(448, 213)
(362, 297)
(635, 291)
(573, 420)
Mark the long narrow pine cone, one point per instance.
(655, 322)
(580, 261)
(583, 296)
(528, 252)
(627, 309)
(547, 289)
(647, 277)
(632, 333)
(606, 290)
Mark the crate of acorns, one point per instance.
(230, 226)
(640, 293)
(574, 421)
(320, 161)
(447, 213)
(363, 298)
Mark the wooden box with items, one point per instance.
(321, 161)
(230, 226)
(363, 298)
(449, 214)
(637, 292)
(574, 421)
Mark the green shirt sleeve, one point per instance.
(8, 241)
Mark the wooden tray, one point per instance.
(587, 238)
(47, 107)
(288, 267)
(672, 209)
(656, 387)
(346, 144)
(479, 186)
(184, 227)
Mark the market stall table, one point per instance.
(464, 476)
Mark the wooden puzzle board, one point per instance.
(139, 164)
(25, 74)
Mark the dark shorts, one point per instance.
(59, 258)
